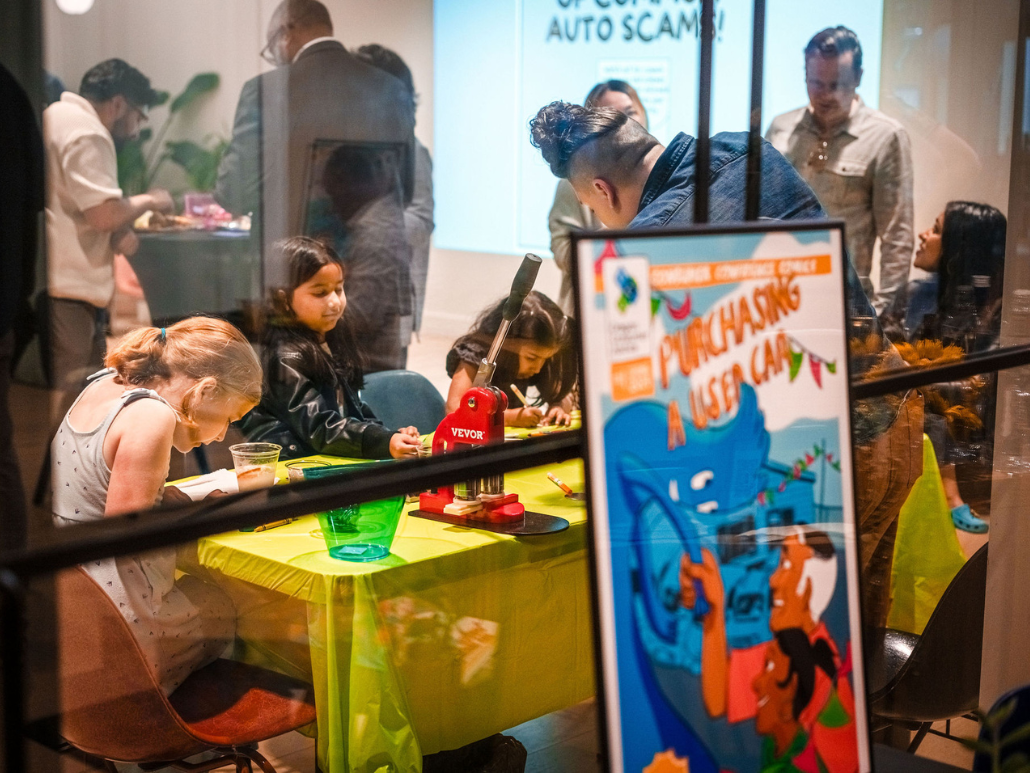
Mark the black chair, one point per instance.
(914, 681)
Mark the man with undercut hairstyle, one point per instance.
(630, 180)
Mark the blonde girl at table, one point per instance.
(179, 388)
(538, 352)
(313, 368)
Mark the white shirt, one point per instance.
(310, 43)
(82, 172)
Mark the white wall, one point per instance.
(171, 42)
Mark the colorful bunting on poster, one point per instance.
(680, 312)
(795, 471)
(815, 362)
(609, 251)
(677, 311)
(795, 364)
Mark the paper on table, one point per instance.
(198, 488)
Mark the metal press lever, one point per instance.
(520, 288)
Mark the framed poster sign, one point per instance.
(723, 530)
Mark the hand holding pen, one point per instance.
(528, 415)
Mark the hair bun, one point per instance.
(551, 131)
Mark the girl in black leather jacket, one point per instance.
(310, 402)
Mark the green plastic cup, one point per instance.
(361, 532)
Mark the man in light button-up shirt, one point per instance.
(857, 160)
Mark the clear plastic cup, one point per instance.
(295, 471)
(255, 464)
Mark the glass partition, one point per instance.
(350, 191)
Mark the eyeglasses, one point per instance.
(819, 156)
(143, 116)
(268, 52)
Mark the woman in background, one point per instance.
(566, 212)
(953, 313)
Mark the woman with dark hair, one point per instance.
(538, 352)
(566, 212)
(953, 313)
(968, 255)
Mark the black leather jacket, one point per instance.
(303, 412)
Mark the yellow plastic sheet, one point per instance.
(927, 553)
(457, 635)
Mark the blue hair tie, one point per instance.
(164, 335)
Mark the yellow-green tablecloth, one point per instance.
(927, 553)
(458, 634)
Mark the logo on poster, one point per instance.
(627, 302)
(628, 288)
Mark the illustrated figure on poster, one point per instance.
(708, 492)
(714, 597)
(736, 682)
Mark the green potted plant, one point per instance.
(994, 744)
(140, 160)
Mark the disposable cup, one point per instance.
(361, 532)
(255, 464)
(295, 470)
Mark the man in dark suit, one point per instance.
(288, 123)
(318, 92)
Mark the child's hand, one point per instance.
(410, 432)
(403, 444)
(557, 416)
(527, 416)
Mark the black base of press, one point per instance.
(534, 523)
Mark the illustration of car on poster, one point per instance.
(717, 416)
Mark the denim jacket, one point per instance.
(668, 198)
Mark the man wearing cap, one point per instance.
(88, 219)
